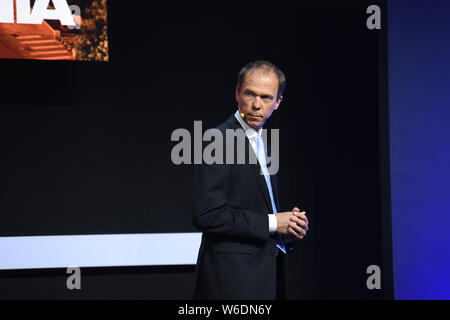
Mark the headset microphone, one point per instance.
(241, 114)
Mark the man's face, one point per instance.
(258, 97)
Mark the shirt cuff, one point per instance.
(272, 224)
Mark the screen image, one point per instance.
(54, 30)
(106, 111)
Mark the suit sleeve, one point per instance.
(213, 215)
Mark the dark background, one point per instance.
(86, 146)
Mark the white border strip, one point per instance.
(99, 250)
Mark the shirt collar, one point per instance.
(249, 131)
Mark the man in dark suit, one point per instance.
(236, 205)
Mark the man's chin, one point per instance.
(254, 124)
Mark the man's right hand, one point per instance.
(293, 226)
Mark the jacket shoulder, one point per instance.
(230, 123)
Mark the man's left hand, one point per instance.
(298, 225)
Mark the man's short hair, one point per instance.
(262, 65)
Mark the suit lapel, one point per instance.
(262, 184)
(274, 182)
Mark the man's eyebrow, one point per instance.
(263, 95)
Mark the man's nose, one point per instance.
(256, 103)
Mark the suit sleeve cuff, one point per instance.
(272, 224)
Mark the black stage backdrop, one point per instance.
(86, 146)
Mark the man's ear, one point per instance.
(278, 103)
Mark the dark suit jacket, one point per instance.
(237, 256)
